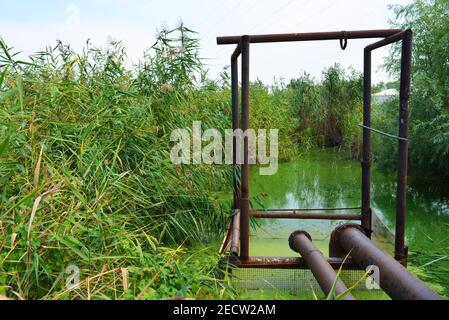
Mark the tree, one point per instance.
(429, 110)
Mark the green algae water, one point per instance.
(323, 179)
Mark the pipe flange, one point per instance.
(337, 231)
(294, 234)
(335, 249)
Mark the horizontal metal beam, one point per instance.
(288, 263)
(310, 36)
(307, 209)
(310, 216)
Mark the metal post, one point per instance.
(401, 195)
(366, 157)
(235, 125)
(244, 200)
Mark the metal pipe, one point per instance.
(236, 52)
(288, 263)
(244, 200)
(394, 278)
(301, 242)
(310, 36)
(400, 250)
(393, 38)
(308, 209)
(235, 125)
(366, 153)
(317, 216)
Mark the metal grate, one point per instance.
(293, 281)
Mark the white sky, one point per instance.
(30, 26)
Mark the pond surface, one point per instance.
(323, 179)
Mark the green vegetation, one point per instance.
(429, 115)
(85, 171)
(328, 110)
(86, 177)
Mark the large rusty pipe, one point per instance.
(301, 242)
(394, 278)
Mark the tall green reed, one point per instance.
(86, 177)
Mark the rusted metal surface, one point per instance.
(312, 216)
(308, 209)
(288, 263)
(240, 226)
(244, 200)
(388, 40)
(401, 193)
(310, 36)
(395, 280)
(237, 52)
(235, 233)
(404, 93)
(301, 242)
(366, 150)
(335, 248)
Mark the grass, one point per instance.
(86, 177)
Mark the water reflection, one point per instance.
(322, 179)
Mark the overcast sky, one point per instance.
(32, 25)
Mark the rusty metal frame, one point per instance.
(241, 177)
(405, 36)
(268, 262)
